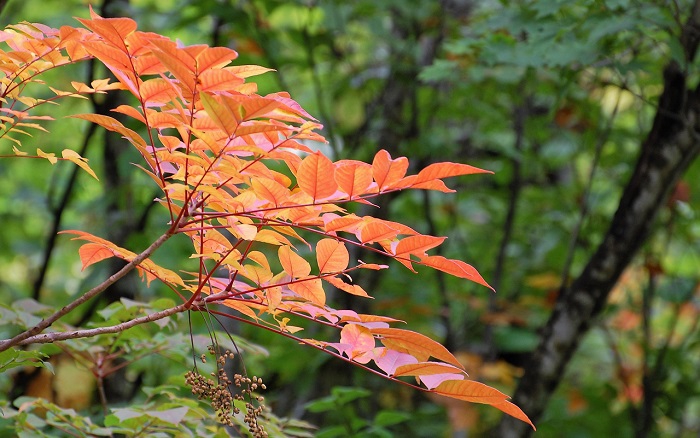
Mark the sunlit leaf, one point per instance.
(416, 344)
(292, 263)
(332, 256)
(73, 156)
(310, 289)
(387, 171)
(315, 177)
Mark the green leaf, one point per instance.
(172, 416)
(14, 357)
(390, 418)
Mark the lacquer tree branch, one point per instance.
(47, 338)
(670, 147)
(45, 323)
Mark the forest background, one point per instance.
(585, 110)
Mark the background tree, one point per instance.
(583, 111)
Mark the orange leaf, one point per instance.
(457, 268)
(429, 177)
(218, 80)
(225, 113)
(415, 344)
(310, 289)
(345, 223)
(471, 391)
(332, 256)
(417, 245)
(292, 263)
(112, 124)
(476, 392)
(242, 307)
(386, 171)
(315, 176)
(157, 90)
(91, 253)
(434, 184)
(270, 190)
(214, 57)
(113, 30)
(445, 170)
(377, 230)
(117, 61)
(274, 297)
(131, 112)
(354, 178)
(258, 106)
(514, 411)
(353, 289)
(426, 369)
(178, 61)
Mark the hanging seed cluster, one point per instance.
(222, 391)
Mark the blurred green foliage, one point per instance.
(554, 96)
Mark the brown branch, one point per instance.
(47, 338)
(45, 323)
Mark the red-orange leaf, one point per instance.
(426, 369)
(178, 61)
(344, 223)
(354, 178)
(218, 80)
(258, 106)
(457, 268)
(386, 171)
(113, 30)
(91, 253)
(471, 391)
(417, 245)
(514, 411)
(476, 392)
(156, 90)
(315, 176)
(428, 177)
(445, 170)
(377, 230)
(332, 256)
(415, 344)
(353, 289)
(214, 57)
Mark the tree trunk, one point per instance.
(668, 150)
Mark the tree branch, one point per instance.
(88, 333)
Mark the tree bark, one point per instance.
(670, 147)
